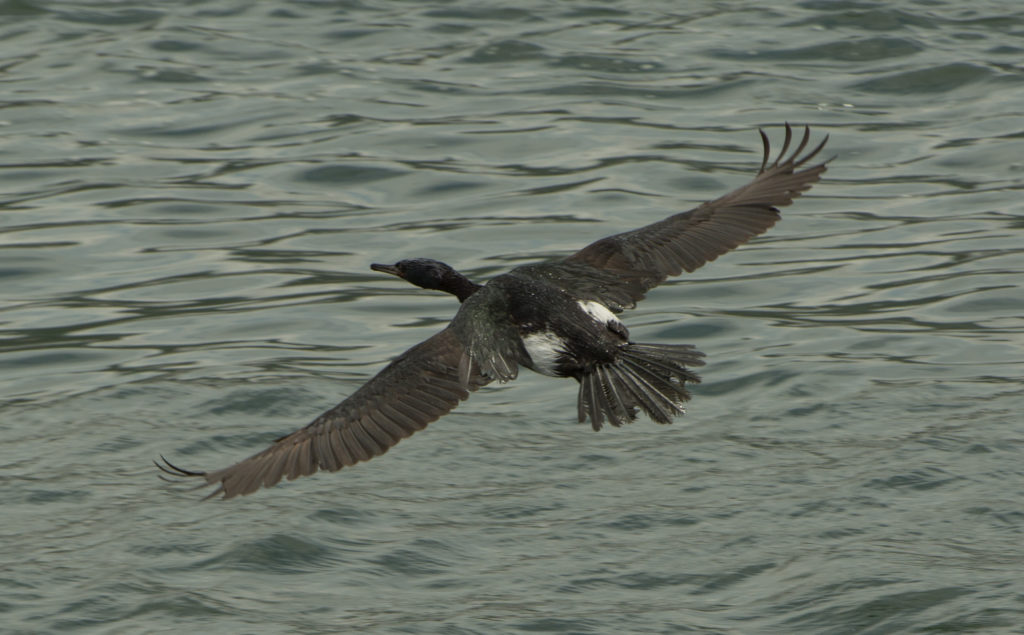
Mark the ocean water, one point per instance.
(190, 197)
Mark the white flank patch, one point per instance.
(599, 312)
(544, 348)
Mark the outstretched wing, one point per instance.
(619, 269)
(415, 389)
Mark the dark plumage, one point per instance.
(557, 318)
(431, 274)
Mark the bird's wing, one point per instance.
(619, 269)
(421, 385)
(494, 348)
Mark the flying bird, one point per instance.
(557, 318)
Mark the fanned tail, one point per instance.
(650, 377)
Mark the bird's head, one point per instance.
(430, 274)
(422, 272)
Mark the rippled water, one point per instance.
(190, 197)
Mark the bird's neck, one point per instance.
(460, 286)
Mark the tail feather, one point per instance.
(618, 395)
(602, 399)
(645, 376)
(654, 394)
(665, 379)
(674, 355)
(668, 394)
(592, 400)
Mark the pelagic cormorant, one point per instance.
(557, 318)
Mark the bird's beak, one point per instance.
(392, 269)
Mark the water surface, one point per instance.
(190, 198)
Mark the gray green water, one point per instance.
(191, 194)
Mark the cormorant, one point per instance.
(557, 318)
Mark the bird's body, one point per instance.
(558, 318)
(533, 319)
(551, 349)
